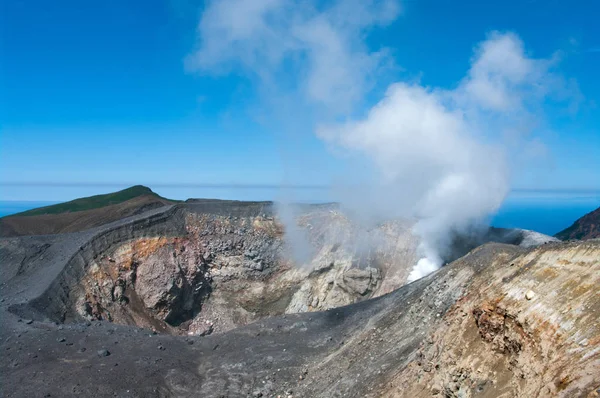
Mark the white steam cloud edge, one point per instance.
(316, 47)
(440, 156)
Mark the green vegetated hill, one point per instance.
(92, 202)
(83, 213)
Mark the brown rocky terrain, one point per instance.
(586, 227)
(80, 311)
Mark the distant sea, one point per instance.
(8, 207)
(547, 212)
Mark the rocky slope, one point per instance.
(586, 227)
(504, 320)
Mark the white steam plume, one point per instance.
(439, 155)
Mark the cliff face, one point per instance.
(526, 325)
(195, 272)
(587, 227)
(210, 266)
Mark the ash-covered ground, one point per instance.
(205, 299)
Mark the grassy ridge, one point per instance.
(92, 202)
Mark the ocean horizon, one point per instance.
(545, 211)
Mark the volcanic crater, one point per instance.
(101, 312)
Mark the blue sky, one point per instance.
(99, 93)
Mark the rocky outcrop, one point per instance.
(56, 302)
(526, 326)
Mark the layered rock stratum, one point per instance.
(207, 298)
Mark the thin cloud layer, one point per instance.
(320, 46)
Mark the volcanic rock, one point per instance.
(103, 352)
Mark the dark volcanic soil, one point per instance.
(501, 321)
